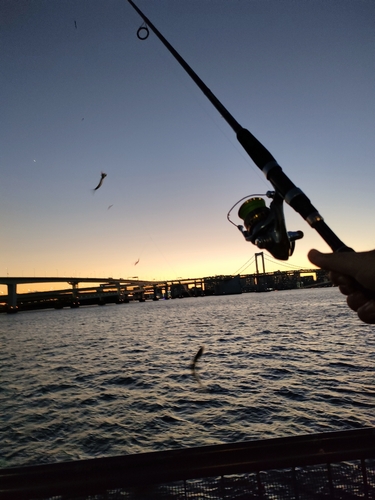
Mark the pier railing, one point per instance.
(337, 465)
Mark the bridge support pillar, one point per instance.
(75, 302)
(120, 296)
(12, 298)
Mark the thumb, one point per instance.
(316, 257)
(358, 265)
(341, 262)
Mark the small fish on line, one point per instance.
(103, 175)
(194, 363)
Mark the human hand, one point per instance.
(354, 273)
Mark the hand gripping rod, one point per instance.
(262, 158)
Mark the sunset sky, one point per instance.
(81, 94)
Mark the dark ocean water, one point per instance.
(101, 381)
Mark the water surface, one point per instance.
(101, 381)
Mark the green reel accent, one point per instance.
(249, 206)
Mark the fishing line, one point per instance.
(206, 110)
(161, 253)
(271, 232)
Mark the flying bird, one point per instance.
(75, 24)
(135, 263)
(101, 181)
(109, 207)
(194, 362)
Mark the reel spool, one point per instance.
(253, 211)
(265, 226)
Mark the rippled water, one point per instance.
(100, 381)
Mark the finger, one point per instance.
(360, 266)
(343, 281)
(342, 263)
(366, 313)
(346, 284)
(356, 300)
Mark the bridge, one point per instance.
(122, 290)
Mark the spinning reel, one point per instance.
(265, 226)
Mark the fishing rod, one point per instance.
(264, 226)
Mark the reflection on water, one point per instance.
(100, 381)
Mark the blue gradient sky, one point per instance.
(77, 101)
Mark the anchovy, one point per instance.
(101, 181)
(194, 362)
